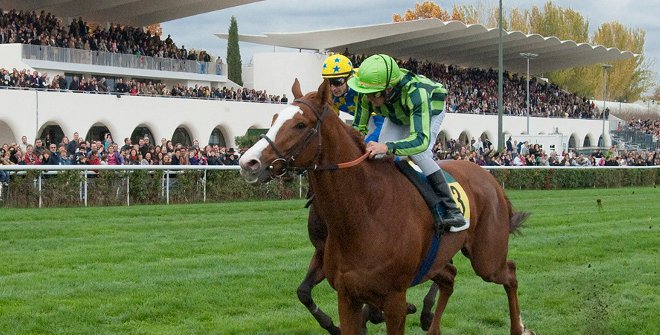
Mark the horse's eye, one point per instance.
(300, 125)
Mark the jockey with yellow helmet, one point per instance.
(413, 107)
(337, 69)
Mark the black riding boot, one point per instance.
(452, 216)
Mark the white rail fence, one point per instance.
(90, 171)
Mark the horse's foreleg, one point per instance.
(445, 280)
(395, 310)
(350, 315)
(314, 276)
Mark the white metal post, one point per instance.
(606, 67)
(204, 184)
(39, 185)
(167, 187)
(528, 56)
(85, 191)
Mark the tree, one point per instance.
(234, 54)
(472, 14)
(656, 93)
(628, 79)
(425, 10)
(155, 29)
(519, 21)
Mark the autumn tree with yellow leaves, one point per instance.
(628, 79)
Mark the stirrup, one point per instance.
(450, 221)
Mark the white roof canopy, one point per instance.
(130, 12)
(450, 42)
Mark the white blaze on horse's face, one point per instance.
(255, 152)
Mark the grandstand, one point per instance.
(40, 112)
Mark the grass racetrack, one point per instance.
(233, 268)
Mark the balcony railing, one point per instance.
(100, 58)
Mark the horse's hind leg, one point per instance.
(426, 317)
(314, 276)
(511, 288)
(505, 275)
(445, 281)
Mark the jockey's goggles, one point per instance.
(336, 82)
(375, 94)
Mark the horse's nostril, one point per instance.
(253, 165)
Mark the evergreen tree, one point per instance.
(234, 54)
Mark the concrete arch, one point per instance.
(488, 135)
(604, 140)
(140, 131)
(464, 138)
(7, 134)
(182, 135)
(443, 137)
(588, 141)
(573, 141)
(449, 133)
(218, 136)
(96, 131)
(51, 132)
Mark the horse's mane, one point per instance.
(354, 134)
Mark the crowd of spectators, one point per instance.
(77, 151)
(33, 79)
(646, 126)
(482, 152)
(47, 30)
(474, 91)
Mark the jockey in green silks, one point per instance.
(413, 107)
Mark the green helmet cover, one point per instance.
(376, 73)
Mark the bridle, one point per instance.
(287, 159)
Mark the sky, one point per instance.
(269, 16)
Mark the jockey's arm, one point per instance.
(362, 113)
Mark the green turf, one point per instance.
(234, 268)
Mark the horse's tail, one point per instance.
(516, 220)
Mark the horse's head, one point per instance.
(293, 140)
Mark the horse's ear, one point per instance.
(297, 92)
(323, 93)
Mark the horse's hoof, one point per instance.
(376, 317)
(411, 309)
(425, 321)
(333, 330)
(528, 332)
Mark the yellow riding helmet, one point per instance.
(337, 66)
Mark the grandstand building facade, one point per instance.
(38, 113)
(44, 112)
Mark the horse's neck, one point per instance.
(341, 194)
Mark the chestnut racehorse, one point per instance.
(378, 227)
(318, 234)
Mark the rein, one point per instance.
(300, 145)
(342, 165)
